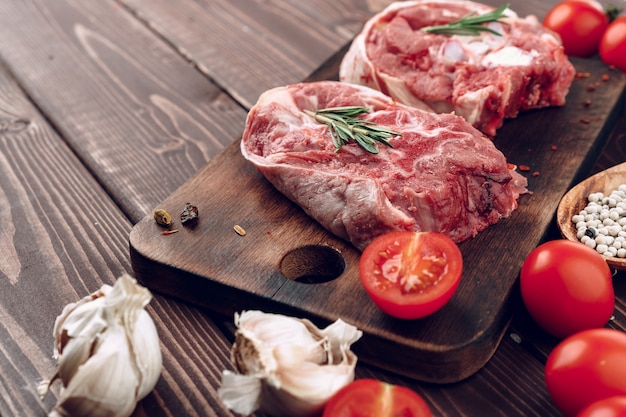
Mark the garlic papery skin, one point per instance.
(108, 352)
(287, 366)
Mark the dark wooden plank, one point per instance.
(62, 237)
(122, 98)
(249, 46)
(615, 150)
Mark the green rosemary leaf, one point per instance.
(335, 138)
(470, 25)
(345, 125)
(366, 143)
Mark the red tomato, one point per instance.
(567, 287)
(613, 44)
(410, 275)
(608, 407)
(586, 367)
(580, 24)
(370, 397)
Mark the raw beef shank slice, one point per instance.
(441, 175)
(484, 78)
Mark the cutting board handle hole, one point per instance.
(313, 264)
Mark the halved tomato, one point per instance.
(411, 275)
(370, 397)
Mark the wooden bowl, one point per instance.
(576, 199)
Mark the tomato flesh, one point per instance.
(613, 44)
(411, 275)
(370, 397)
(580, 24)
(586, 367)
(567, 287)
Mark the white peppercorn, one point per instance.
(601, 225)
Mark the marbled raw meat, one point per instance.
(484, 78)
(441, 175)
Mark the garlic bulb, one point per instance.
(107, 351)
(288, 367)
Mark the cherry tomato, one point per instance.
(580, 24)
(608, 407)
(586, 367)
(613, 44)
(411, 275)
(567, 287)
(370, 397)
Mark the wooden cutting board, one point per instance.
(287, 263)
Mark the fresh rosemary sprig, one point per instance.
(346, 125)
(471, 24)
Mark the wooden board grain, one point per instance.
(212, 266)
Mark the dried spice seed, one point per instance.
(585, 120)
(588, 103)
(162, 217)
(594, 86)
(189, 214)
(536, 174)
(583, 74)
(239, 230)
(524, 168)
(605, 77)
(169, 232)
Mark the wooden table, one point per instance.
(106, 108)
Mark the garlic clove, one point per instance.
(105, 384)
(240, 393)
(107, 350)
(288, 366)
(76, 329)
(147, 354)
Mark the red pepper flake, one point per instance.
(583, 74)
(169, 232)
(524, 168)
(585, 120)
(554, 147)
(536, 174)
(588, 103)
(605, 77)
(511, 166)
